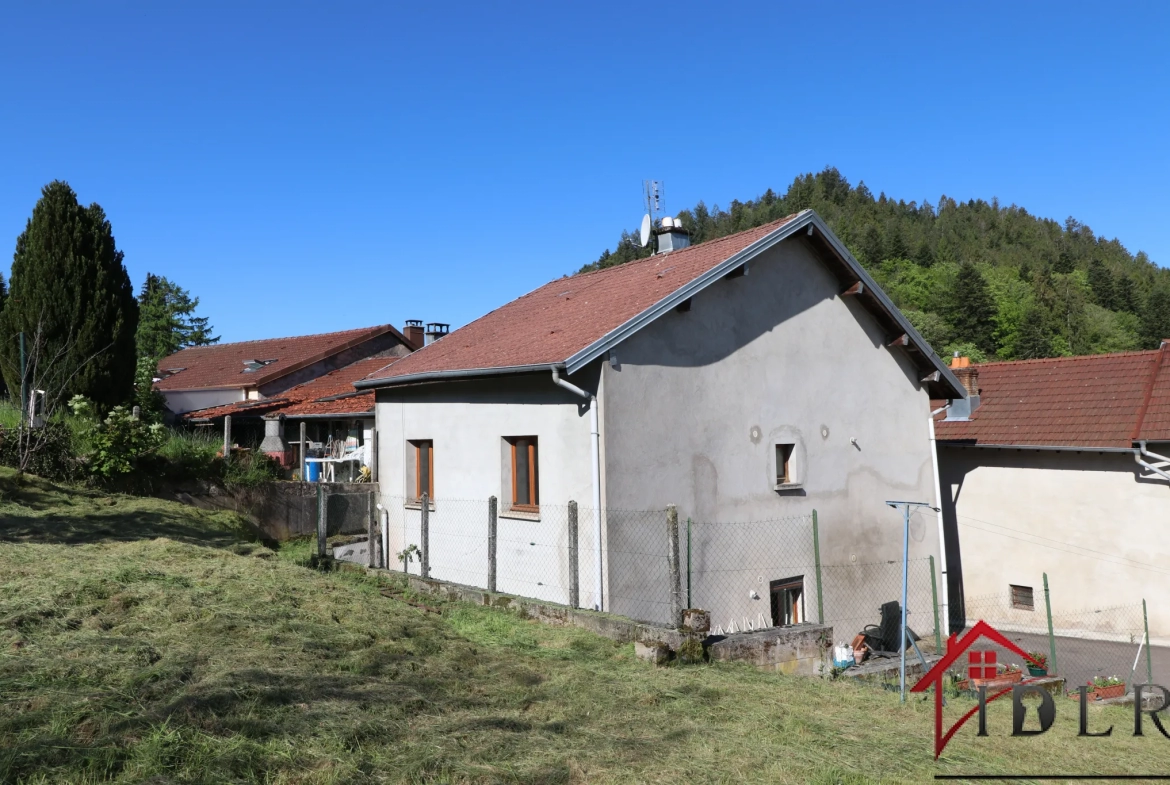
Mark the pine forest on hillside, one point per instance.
(989, 281)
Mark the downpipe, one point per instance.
(593, 432)
(1142, 452)
(942, 542)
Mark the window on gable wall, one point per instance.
(784, 468)
(525, 474)
(423, 479)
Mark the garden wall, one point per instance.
(284, 510)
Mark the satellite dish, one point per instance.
(646, 225)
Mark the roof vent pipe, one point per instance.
(435, 331)
(672, 236)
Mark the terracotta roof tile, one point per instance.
(332, 393)
(1094, 401)
(222, 365)
(556, 321)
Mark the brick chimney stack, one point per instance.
(966, 373)
(414, 333)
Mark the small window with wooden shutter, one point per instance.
(525, 474)
(421, 477)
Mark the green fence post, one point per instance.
(1051, 634)
(689, 605)
(934, 598)
(1149, 659)
(817, 559)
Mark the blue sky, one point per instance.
(311, 167)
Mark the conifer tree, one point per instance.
(971, 310)
(1156, 324)
(1034, 339)
(70, 295)
(167, 320)
(1101, 282)
(1126, 295)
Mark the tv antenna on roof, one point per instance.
(655, 196)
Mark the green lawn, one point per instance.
(143, 641)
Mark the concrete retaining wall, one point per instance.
(284, 510)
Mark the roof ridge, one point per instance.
(1040, 360)
(1155, 366)
(281, 338)
(673, 254)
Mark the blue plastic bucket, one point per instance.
(312, 471)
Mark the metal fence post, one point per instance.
(934, 599)
(574, 567)
(1051, 633)
(491, 581)
(689, 605)
(371, 532)
(322, 519)
(424, 535)
(1149, 659)
(672, 561)
(817, 562)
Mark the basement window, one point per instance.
(1022, 598)
(786, 478)
(787, 601)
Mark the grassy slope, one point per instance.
(141, 641)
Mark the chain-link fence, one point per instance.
(645, 565)
(1082, 646)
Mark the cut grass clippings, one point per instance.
(144, 641)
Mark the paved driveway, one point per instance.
(1079, 660)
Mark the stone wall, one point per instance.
(284, 510)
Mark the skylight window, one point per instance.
(251, 366)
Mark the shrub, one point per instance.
(249, 469)
(117, 444)
(47, 452)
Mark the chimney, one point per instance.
(435, 331)
(414, 333)
(672, 236)
(961, 409)
(966, 373)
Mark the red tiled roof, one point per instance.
(332, 393)
(1094, 401)
(554, 322)
(222, 365)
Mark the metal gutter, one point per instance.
(1039, 447)
(438, 376)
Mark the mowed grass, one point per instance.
(143, 641)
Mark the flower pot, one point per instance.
(1112, 691)
(1000, 682)
(1034, 671)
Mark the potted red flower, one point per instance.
(1037, 664)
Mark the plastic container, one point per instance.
(313, 471)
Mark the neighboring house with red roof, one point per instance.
(749, 378)
(201, 377)
(1060, 468)
(329, 407)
